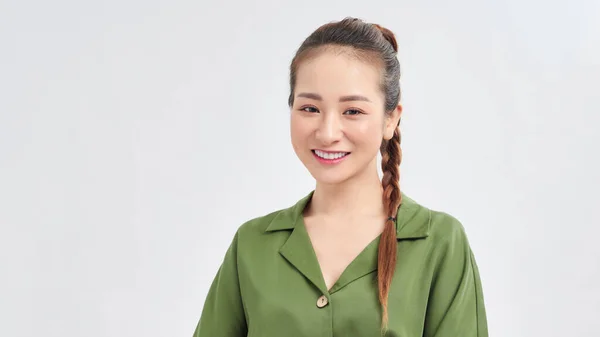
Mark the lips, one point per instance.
(330, 157)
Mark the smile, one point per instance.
(330, 157)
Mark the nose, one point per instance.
(329, 130)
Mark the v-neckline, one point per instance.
(299, 251)
(412, 223)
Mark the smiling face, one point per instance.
(337, 118)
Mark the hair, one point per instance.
(372, 43)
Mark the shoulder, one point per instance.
(251, 234)
(259, 224)
(445, 227)
(278, 220)
(260, 237)
(440, 228)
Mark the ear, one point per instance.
(391, 122)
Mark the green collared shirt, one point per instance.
(270, 283)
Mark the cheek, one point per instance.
(298, 131)
(369, 134)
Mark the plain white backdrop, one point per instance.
(136, 136)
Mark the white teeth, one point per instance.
(327, 155)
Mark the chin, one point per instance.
(330, 178)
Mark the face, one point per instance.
(337, 119)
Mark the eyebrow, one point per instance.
(348, 98)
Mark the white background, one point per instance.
(136, 136)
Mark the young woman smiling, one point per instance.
(356, 256)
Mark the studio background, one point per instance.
(137, 136)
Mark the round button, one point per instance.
(322, 301)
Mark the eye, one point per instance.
(309, 109)
(353, 112)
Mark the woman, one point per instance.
(345, 261)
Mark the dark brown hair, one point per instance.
(373, 43)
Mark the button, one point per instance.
(322, 301)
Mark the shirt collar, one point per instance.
(412, 220)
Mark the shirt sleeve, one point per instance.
(456, 304)
(223, 312)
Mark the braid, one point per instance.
(391, 154)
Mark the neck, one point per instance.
(357, 197)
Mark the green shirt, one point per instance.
(270, 283)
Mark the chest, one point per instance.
(337, 245)
(283, 282)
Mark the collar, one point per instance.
(412, 220)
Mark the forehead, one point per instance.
(337, 72)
